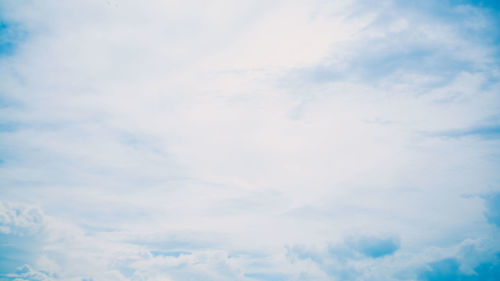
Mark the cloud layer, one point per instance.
(258, 140)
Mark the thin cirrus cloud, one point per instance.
(258, 140)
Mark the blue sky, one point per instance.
(249, 140)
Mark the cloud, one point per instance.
(266, 277)
(21, 231)
(174, 140)
(26, 273)
(344, 259)
(399, 43)
(19, 219)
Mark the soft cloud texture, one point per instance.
(249, 140)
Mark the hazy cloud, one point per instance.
(258, 140)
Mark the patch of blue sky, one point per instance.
(493, 5)
(450, 11)
(483, 132)
(491, 33)
(387, 60)
(3, 102)
(8, 127)
(16, 250)
(443, 270)
(492, 204)
(375, 247)
(449, 270)
(11, 35)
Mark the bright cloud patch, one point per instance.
(249, 140)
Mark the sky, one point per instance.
(244, 140)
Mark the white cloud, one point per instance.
(219, 128)
(20, 220)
